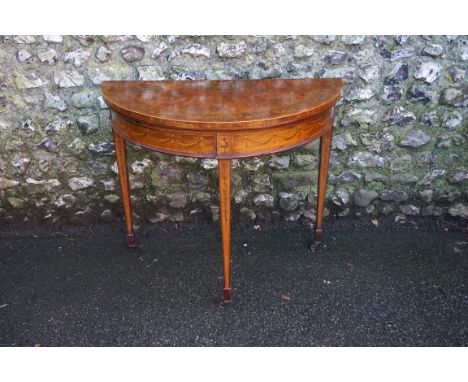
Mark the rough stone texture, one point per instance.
(279, 162)
(88, 124)
(81, 183)
(399, 75)
(428, 72)
(178, 199)
(54, 102)
(103, 54)
(263, 200)
(415, 139)
(399, 144)
(347, 177)
(341, 197)
(196, 50)
(362, 198)
(49, 56)
(455, 96)
(133, 53)
(153, 72)
(459, 210)
(7, 183)
(366, 159)
(410, 209)
(395, 196)
(229, 50)
(288, 201)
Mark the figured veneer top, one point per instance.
(228, 104)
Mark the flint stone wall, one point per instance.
(399, 146)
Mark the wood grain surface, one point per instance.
(224, 120)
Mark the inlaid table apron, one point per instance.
(226, 119)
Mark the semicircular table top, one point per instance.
(222, 104)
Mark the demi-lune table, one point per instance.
(225, 119)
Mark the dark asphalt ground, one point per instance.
(365, 286)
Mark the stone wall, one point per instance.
(399, 147)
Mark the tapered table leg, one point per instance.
(224, 174)
(325, 143)
(121, 155)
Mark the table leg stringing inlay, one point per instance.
(223, 120)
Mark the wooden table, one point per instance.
(222, 120)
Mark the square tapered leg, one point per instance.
(224, 174)
(325, 143)
(121, 155)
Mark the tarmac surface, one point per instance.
(391, 285)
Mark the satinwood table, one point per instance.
(225, 119)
